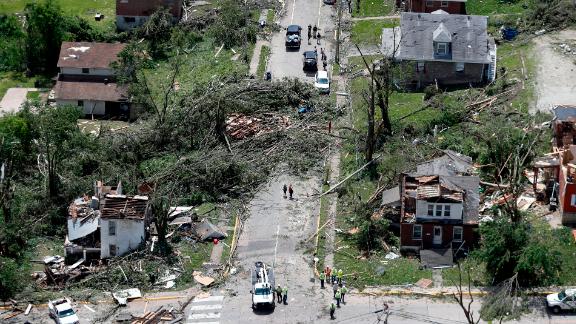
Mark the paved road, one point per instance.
(284, 63)
(13, 99)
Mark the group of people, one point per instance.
(314, 32)
(289, 189)
(281, 294)
(335, 278)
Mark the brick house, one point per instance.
(439, 205)
(439, 48)
(427, 6)
(87, 80)
(133, 13)
(563, 144)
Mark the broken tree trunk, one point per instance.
(350, 176)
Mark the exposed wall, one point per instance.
(444, 72)
(122, 24)
(129, 235)
(78, 71)
(422, 210)
(90, 106)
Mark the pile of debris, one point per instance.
(161, 315)
(240, 126)
(57, 274)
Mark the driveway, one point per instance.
(555, 81)
(13, 99)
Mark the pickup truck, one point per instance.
(293, 36)
(564, 300)
(61, 311)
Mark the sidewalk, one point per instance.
(13, 99)
(411, 290)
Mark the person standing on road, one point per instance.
(290, 191)
(318, 38)
(340, 275)
(315, 29)
(279, 293)
(338, 295)
(322, 278)
(343, 290)
(328, 272)
(284, 189)
(333, 276)
(285, 295)
(325, 65)
(332, 311)
(335, 288)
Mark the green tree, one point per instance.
(11, 278)
(12, 45)
(233, 26)
(157, 31)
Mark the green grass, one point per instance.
(263, 61)
(194, 255)
(270, 17)
(490, 7)
(369, 32)
(373, 8)
(33, 95)
(83, 8)
(14, 80)
(450, 276)
(510, 56)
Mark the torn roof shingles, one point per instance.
(467, 34)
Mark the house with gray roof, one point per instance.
(441, 48)
(439, 205)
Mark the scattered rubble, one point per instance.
(123, 296)
(240, 126)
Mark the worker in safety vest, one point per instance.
(340, 275)
(332, 310)
(285, 295)
(322, 278)
(343, 290)
(338, 296)
(333, 275)
(335, 288)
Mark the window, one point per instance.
(573, 200)
(417, 232)
(457, 234)
(420, 67)
(430, 210)
(111, 228)
(446, 210)
(85, 70)
(112, 250)
(438, 210)
(459, 67)
(429, 3)
(442, 48)
(80, 103)
(129, 19)
(444, 4)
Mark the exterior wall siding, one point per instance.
(445, 73)
(469, 235)
(78, 71)
(129, 235)
(91, 107)
(422, 210)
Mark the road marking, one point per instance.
(204, 307)
(208, 299)
(293, 7)
(276, 245)
(203, 316)
(319, 7)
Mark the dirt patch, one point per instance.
(555, 82)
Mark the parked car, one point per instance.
(564, 300)
(330, 2)
(293, 36)
(61, 311)
(310, 61)
(322, 82)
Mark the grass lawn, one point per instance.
(84, 8)
(263, 61)
(373, 8)
(14, 80)
(520, 64)
(370, 31)
(490, 7)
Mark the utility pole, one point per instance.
(337, 56)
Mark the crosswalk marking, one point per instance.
(203, 316)
(208, 299)
(204, 307)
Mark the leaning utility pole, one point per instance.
(337, 56)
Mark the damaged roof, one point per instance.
(564, 113)
(466, 33)
(449, 164)
(121, 206)
(88, 54)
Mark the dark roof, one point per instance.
(79, 90)
(470, 185)
(88, 55)
(564, 113)
(120, 206)
(391, 196)
(467, 34)
(449, 164)
(293, 28)
(310, 54)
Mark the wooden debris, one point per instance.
(204, 280)
(424, 283)
(28, 309)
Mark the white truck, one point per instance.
(564, 300)
(262, 286)
(61, 311)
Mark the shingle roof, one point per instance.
(449, 164)
(471, 198)
(563, 112)
(88, 55)
(78, 90)
(470, 41)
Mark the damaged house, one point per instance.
(106, 225)
(134, 13)
(439, 206)
(441, 49)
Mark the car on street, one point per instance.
(293, 36)
(61, 311)
(310, 61)
(330, 2)
(322, 82)
(564, 300)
